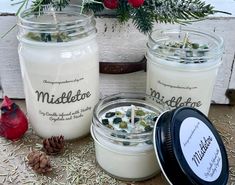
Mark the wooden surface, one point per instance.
(118, 44)
(77, 164)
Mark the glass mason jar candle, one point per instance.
(122, 128)
(182, 65)
(59, 62)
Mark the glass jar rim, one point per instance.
(157, 33)
(52, 26)
(135, 136)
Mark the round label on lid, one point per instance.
(200, 149)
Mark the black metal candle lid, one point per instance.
(189, 149)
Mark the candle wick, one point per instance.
(54, 17)
(132, 114)
(185, 40)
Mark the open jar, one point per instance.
(136, 136)
(182, 65)
(122, 130)
(60, 68)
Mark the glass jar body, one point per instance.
(125, 155)
(179, 79)
(61, 83)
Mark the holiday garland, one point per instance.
(142, 12)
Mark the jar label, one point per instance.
(65, 98)
(200, 149)
(180, 88)
(60, 96)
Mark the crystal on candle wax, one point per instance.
(105, 121)
(119, 119)
(109, 114)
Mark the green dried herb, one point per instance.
(143, 123)
(118, 113)
(110, 126)
(123, 124)
(139, 112)
(148, 128)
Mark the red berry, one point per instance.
(111, 4)
(136, 3)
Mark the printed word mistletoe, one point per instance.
(142, 12)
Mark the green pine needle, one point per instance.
(95, 6)
(58, 5)
(143, 19)
(123, 11)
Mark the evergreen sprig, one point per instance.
(169, 11)
(163, 11)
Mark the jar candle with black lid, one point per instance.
(189, 149)
(182, 143)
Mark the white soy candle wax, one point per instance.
(122, 130)
(59, 62)
(182, 65)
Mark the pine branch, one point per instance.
(123, 11)
(172, 11)
(169, 11)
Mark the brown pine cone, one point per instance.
(53, 145)
(39, 162)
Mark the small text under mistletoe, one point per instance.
(65, 116)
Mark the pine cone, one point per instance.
(53, 145)
(39, 162)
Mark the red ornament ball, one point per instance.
(136, 3)
(111, 4)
